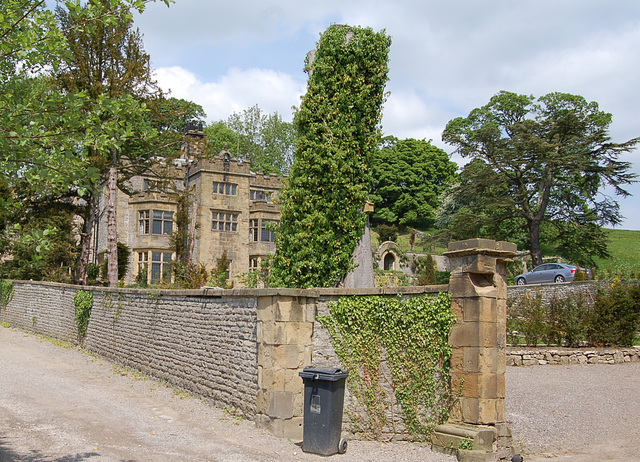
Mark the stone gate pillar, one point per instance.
(478, 288)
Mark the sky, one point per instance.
(446, 58)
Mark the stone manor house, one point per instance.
(231, 208)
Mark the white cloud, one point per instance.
(235, 91)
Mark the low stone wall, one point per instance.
(548, 291)
(566, 356)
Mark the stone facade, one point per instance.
(231, 207)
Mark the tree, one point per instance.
(338, 125)
(108, 63)
(541, 162)
(408, 178)
(43, 130)
(265, 139)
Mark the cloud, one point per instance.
(234, 91)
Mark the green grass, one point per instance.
(624, 247)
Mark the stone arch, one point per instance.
(389, 256)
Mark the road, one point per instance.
(59, 404)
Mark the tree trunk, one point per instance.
(534, 238)
(86, 239)
(112, 227)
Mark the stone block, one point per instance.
(289, 309)
(474, 334)
(280, 404)
(297, 333)
(467, 285)
(481, 264)
(262, 402)
(288, 356)
(480, 309)
(266, 309)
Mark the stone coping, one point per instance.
(539, 356)
(217, 292)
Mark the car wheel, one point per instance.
(521, 282)
(559, 278)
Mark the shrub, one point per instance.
(424, 269)
(83, 301)
(387, 233)
(615, 318)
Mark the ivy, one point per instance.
(6, 293)
(412, 335)
(338, 126)
(83, 301)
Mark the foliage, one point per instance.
(424, 269)
(387, 233)
(624, 247)
(408, 178)
(50, 254)
(412, 335)
(266, 140)
(615, 318)
(611, 319)
(338, 127)
(189, 275)
(83, 301)
(391, 278)
(257, 278)
(538, 161)
(124, 252)
(220, 274)
(6, 293)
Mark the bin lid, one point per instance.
(331, 374)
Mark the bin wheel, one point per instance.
(342, 447)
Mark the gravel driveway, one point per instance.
(62, 405)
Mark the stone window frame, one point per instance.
(224, 221)
(157, 263)
(260, 195)
(254, 229)
(156, 222)
(266, 235)
(224, 188)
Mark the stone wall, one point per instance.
(518, 356)
(548, 291)
(203, 342)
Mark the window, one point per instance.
(160, 266)
(161, 223)
(227, 189)
(266, 235)
(224, 222)
(253, 230)
(253, 263)
(144, 222)
(257, 195)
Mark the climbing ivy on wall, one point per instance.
(6, 293)
(412, 335)
(338, 127)
(83, 301)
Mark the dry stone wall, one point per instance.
(202, 342)
(566, 356)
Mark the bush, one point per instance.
(424, 268)
(615, 318)
(387, 233)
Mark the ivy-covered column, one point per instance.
(478, 290)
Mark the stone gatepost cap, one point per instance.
(482, 246)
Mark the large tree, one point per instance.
(338, 127)
(541, 163)
(408, 178)
(108, 63)
(264, 139)
(44, 131)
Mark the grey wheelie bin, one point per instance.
(323, 405)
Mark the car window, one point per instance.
(541, 268)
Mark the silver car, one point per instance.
(548, 272)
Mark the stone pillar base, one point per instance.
(473, 443)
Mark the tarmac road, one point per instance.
(60, 404)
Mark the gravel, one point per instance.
(62, 405)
